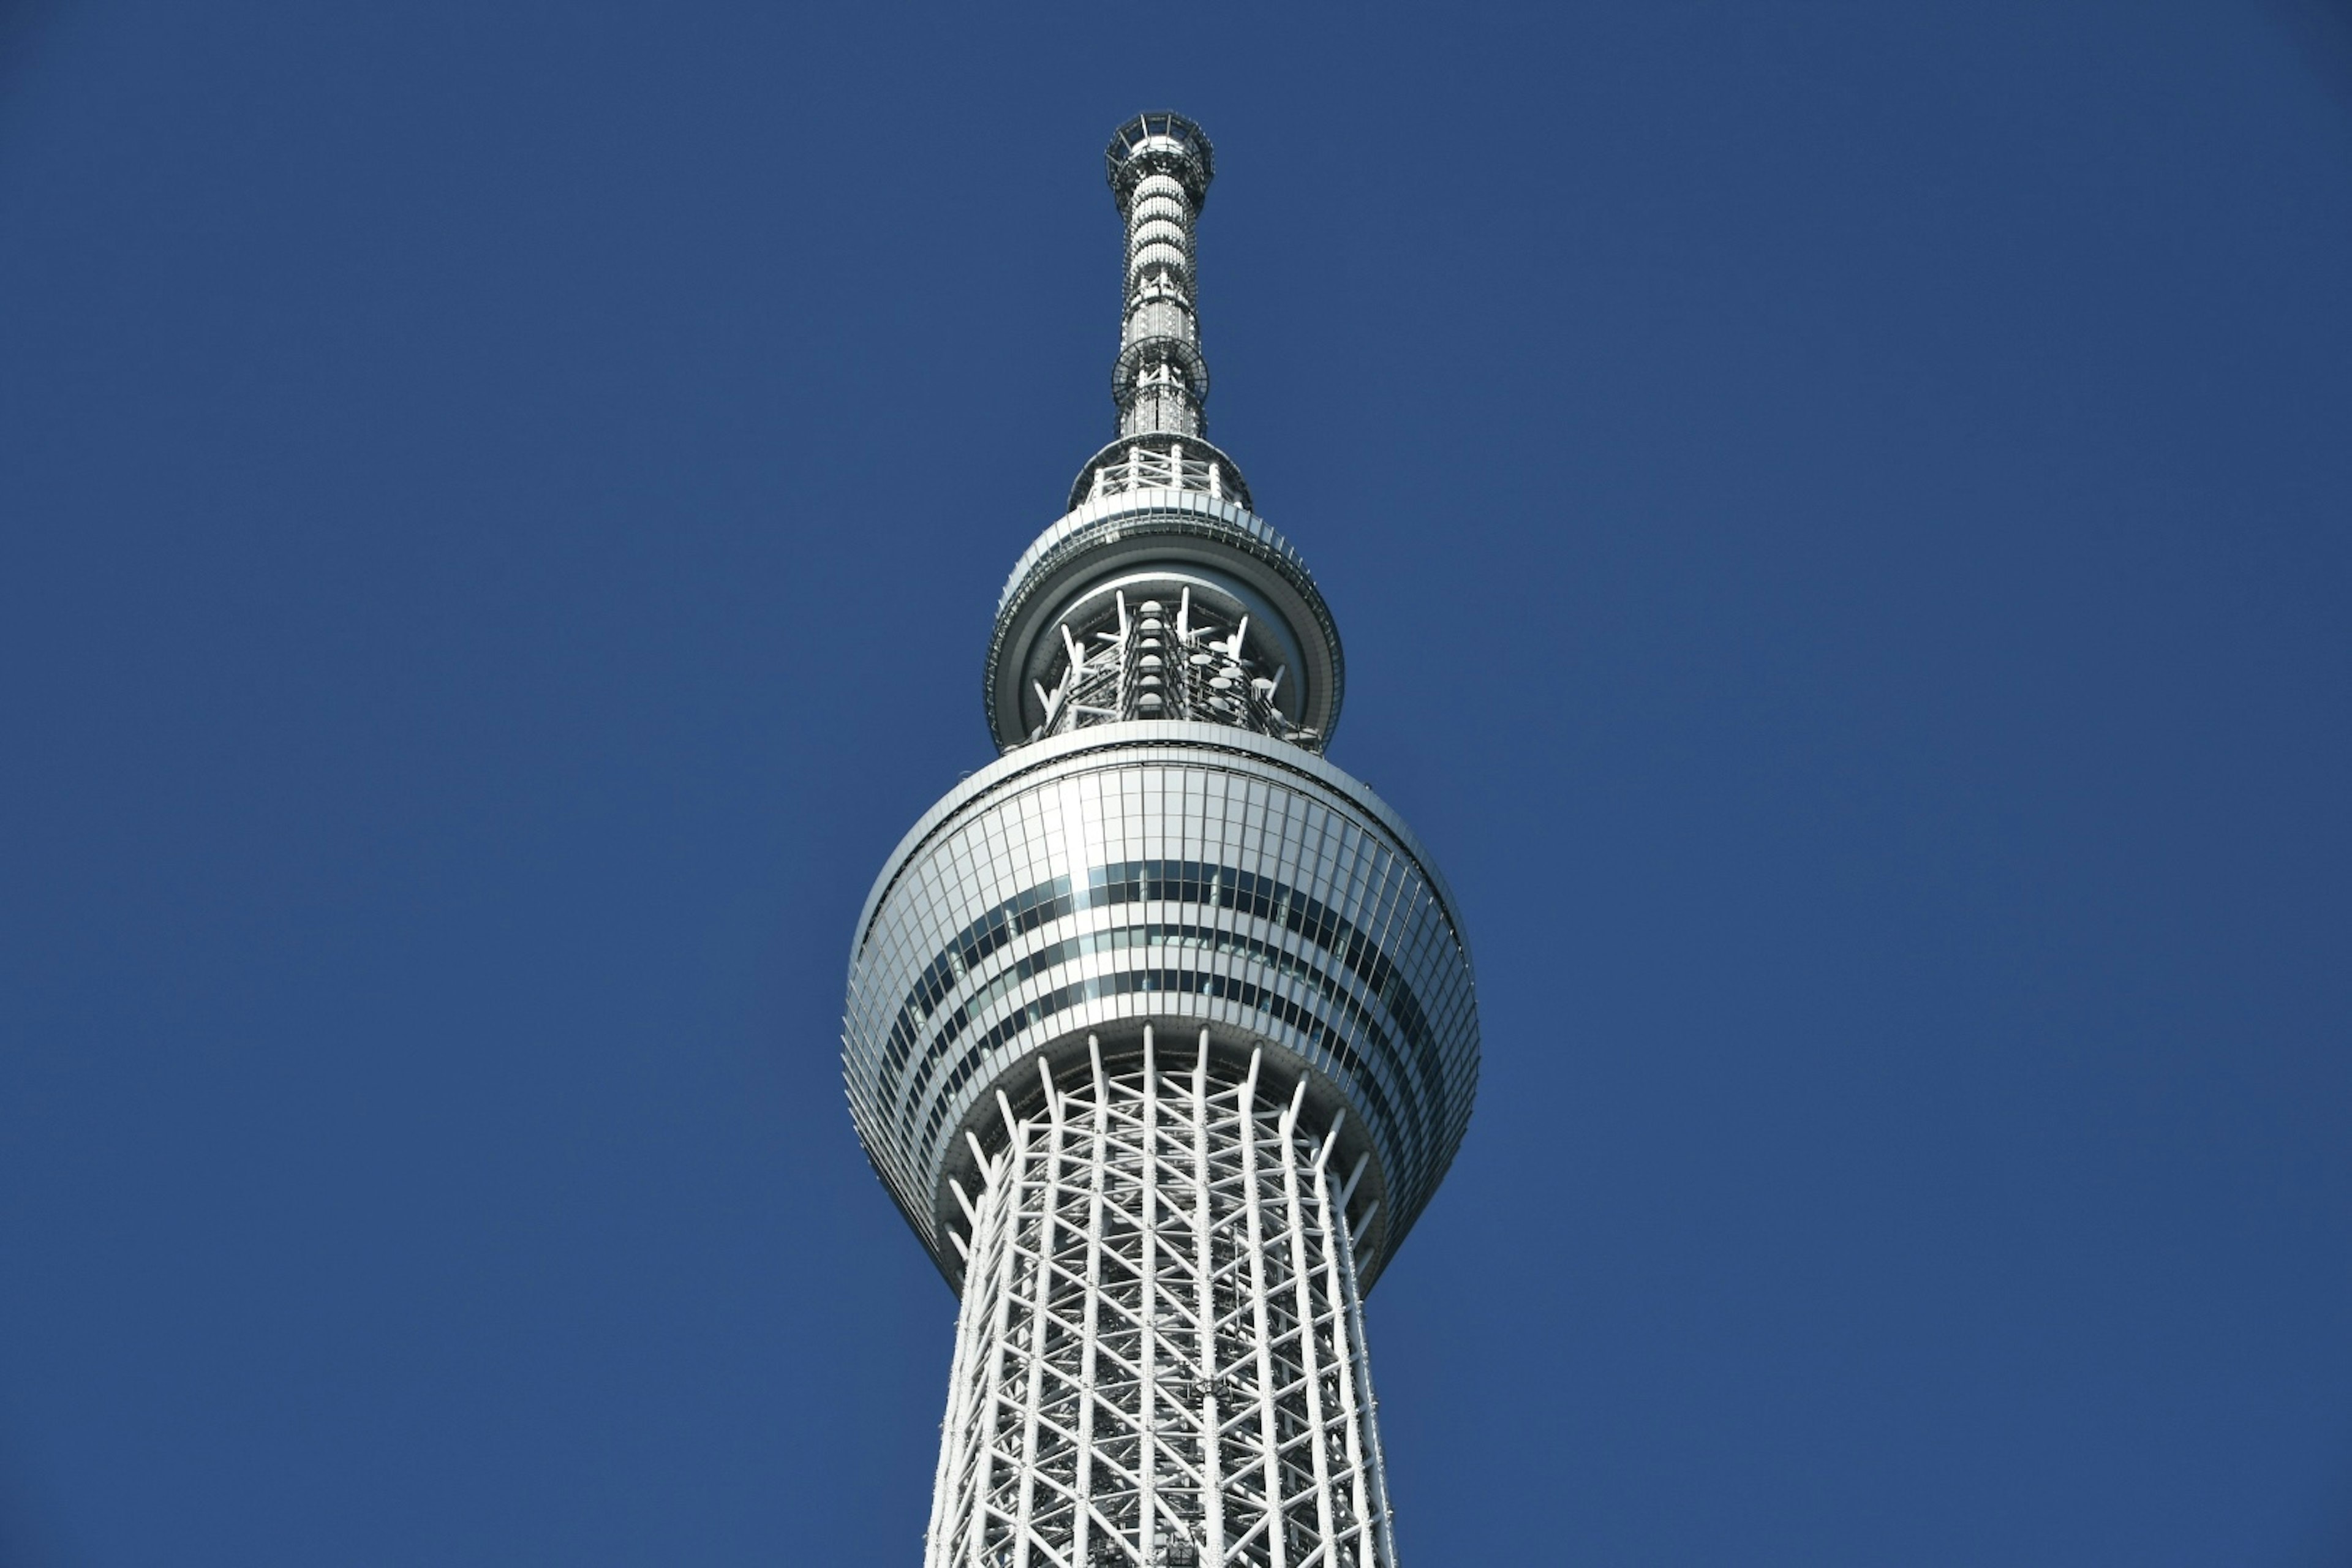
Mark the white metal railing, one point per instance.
(1174, 465)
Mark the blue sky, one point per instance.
(1838, 514)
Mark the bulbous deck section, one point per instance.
(1178, 875)
(1210, 563)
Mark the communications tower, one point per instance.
(1160, 1029)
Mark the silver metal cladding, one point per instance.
(1179, 875)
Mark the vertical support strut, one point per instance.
(1148, 1383)
(1090, 1327)
(1205, 1317)
(1269, 1435)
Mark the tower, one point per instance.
(1162, 1029)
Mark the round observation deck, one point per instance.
(1185, 877)
(1172, 537)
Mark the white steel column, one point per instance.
(1204, 1325)
(1090, 1324)
(1277, 1546)
(1147, 1425)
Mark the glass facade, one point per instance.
(1184, 875)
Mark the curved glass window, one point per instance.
(1168, 881)
(1167, 939)
(1128, 982)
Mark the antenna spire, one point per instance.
(1160, 167)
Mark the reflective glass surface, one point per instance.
(1170, 873)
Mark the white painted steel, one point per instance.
(1161, 1353)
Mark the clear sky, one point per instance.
(1839, 516)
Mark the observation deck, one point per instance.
(1179, 874)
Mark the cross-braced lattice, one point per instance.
(1151, 665)
(1161, 1354)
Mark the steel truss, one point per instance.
(1160, 1357)
(1149, 664)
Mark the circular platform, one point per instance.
(1174, 538)
(1182, 876)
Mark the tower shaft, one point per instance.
(1161, 1354)
(1162, 1029)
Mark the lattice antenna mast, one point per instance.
(1160, 167)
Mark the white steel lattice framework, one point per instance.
(1161, 1357)
(1162, 1029)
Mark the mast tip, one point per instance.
(1161, 141)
